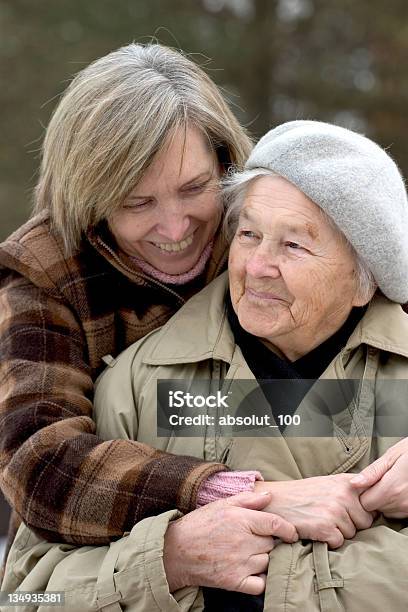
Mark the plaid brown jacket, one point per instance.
(58, 317)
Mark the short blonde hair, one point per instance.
(111, 121)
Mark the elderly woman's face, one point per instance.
(174, 211)
(292, 278)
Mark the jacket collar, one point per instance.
(102, 241)
(187, 338)
(384, 326)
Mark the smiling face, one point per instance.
(292, 276)
(174, 211)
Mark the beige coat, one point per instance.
(368, 573)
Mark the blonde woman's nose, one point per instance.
(174, 225)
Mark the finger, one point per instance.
(375, 497)
(335, 539)
(374, 472)
(258, 564)
(361, 517)
(394, 514)
(258, 545)
(266, 523)
(248, 499)
(346, 526)
(253, 585)
(262, 544)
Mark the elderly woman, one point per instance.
(125, 230)
(320, 217)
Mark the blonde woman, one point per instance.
(125, 229)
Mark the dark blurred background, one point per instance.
(343, 61)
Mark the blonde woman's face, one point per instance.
(174, 211)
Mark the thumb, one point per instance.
(249, 499)
(373, 473)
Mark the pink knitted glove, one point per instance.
(225, 484)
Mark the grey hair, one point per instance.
(235, 188)
(113, 118)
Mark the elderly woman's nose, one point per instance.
(174, 225)
(261, 263)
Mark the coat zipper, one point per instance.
(137, 275)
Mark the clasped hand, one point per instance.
(225, 544)
(385, 482)
(324, 508)
(332, 508)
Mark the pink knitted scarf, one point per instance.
(176, 279)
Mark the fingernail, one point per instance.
(265, 493)
(358, 479)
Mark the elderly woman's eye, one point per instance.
(293, 245)
(247, 234)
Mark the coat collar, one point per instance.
(102, 241)
(384, 326)
(189, 338)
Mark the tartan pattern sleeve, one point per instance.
(65, 482)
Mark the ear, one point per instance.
(361, 298)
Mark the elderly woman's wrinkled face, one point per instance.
(292, 277)
(174, 211)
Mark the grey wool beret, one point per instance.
(356, 183)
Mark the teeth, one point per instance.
(175, 246)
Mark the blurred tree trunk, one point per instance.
(257, 73)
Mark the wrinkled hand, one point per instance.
(224, 544)
(386, 480)
(323, 508)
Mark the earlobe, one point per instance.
(360, 300)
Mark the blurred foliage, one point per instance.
(341, 61)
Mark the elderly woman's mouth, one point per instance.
(254, 294)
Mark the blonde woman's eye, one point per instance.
(195, 188)
(137, 204)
